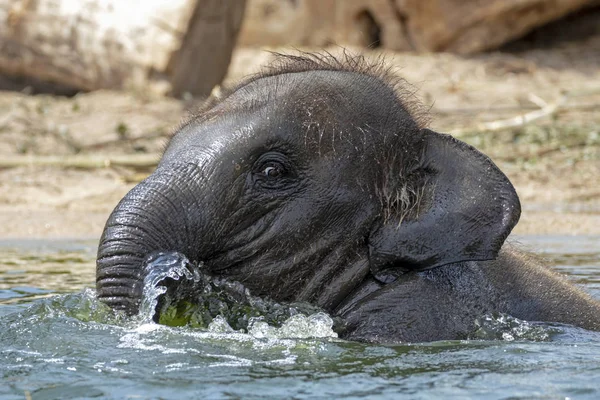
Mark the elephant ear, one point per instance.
(466, 209)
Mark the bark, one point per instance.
(205, 53)
(461, 26)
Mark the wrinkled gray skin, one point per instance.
(314, 182)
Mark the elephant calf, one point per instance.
(316, 181)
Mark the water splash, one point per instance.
(319, 325)
(508, 328)
(160, 266)
(219, 306)
(83, 307)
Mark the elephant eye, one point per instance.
(273, 171)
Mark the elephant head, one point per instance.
(302, 182)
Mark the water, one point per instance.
(58, 342)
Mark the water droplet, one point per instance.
(160, 266)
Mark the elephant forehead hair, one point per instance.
(254, 94)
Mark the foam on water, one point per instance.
(319, 325)
(508, 328)
(300, 333)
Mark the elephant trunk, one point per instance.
(153, 216)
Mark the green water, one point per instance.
(58, 342)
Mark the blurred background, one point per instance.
(91, 90)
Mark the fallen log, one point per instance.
(177, 45)
(458, 26)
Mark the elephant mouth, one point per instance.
(322, 276)
(224, 262)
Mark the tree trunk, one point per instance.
(204, 56)
(94, 44)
